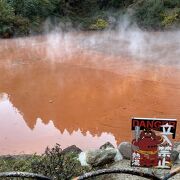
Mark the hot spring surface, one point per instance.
(83, 88)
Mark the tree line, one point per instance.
(24, 17)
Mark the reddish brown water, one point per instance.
(67, 94)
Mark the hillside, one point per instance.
(24, 17)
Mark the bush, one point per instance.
(20, 17)
(100, 24)
(114, 3)
(172, 3)
(57, 165)
(53, 163)
(148, 14)
(11, 24)
(6, 19)
(170, 18)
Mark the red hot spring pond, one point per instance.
(83, 88)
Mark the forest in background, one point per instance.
(24, 17)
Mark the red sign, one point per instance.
(152, 144)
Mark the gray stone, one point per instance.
(71, 149)
(107, 146)
(100, 157)
(178, 148)
(174, 155)
(176, 144)
(125, 149)
(178, 160)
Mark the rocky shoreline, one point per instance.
(107, 156)
(120, 158)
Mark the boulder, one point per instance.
(100, 157)
(125, 149)
(107, 145)
(71, 149)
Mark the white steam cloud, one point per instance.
(127, 40)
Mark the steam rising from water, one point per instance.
(127, 40)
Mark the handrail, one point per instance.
(126, 171)
(94, 174)
(24, 175)
(117, 171)
(172, 173)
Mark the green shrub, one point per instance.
(21, 26)
(172, 3)
(148, 14)
(53, 163)
(170, 17)
(100, 24)
(6, 19)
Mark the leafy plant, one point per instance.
(100, 24)
(148, 14)
(170, 18)
(57, 165)
(53, 163)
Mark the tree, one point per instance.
(148, 14)
(10, 24)
(6, 19)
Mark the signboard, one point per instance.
(152, 142)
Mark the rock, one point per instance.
(125, 149)
(178, 148)
(118, 156)
(176, 144)
(100, 157)
(178, 160)
(72, 149)
(82, 159)
(174, 155)
(107, 145)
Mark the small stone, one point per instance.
(178, 160)
(82, 159)
(107, 145)
(178, 148)
(50, 101)
(100, 157)
(118, 156)
(125, 149)
(72, 149)
(174, 155)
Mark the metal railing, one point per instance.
(93, 174)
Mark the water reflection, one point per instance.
(16, 137)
